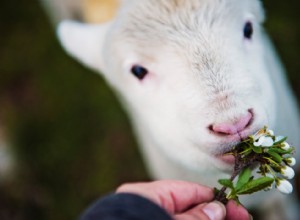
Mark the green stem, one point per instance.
(221, 195)
(271, 170)
(272, 161)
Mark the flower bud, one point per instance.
(291, 161)
(285, 146)
(287, 172)
(284, 186)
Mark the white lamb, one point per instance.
(196, 77)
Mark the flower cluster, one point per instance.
(271, 155)
(276, 160)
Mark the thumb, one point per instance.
(207, 211)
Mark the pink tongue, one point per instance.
(227, 159)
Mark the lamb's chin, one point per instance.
(221, 153)
(227, 159)
(224, 162)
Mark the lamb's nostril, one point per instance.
(233, 128)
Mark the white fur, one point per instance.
(202, 72)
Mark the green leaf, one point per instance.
(257, 150)
(276, 167)
(290, 151)
(226, 182)
(244, 178)
(246, 152)
(278, 150)
(282, 151)
(281, 141)
(275, 156)
(256, 185)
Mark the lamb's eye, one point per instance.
(248, 30)
(139, 71)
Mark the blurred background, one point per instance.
(70, 138)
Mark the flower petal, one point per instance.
(259, 142)
(288, 172)
(284, 186)
(271, 132)
(291, 161)
(268, 142)
(285, 146)
(259, 134)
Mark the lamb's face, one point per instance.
(192, 75)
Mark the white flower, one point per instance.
(264, 142)
(291, 161)
(284, 186)
(271, 132)
(287, 172)
(259, 134)
(285, 146)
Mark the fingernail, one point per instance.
(214, 210)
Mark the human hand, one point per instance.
(186, 201)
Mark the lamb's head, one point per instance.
(192, 74)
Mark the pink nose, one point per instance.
(231, 129)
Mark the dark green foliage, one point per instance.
(226, 182)
(66, 128)
(244, 177)
(275, 156)
(255, 185)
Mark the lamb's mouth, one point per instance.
(224, 152)
(226, 158)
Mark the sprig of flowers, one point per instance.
(271, 154)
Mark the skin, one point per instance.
(186, 200)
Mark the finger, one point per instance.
(174, 196)
(210, 211)
(236, 212)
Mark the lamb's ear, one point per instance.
(84, 41)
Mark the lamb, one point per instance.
(196, 78)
